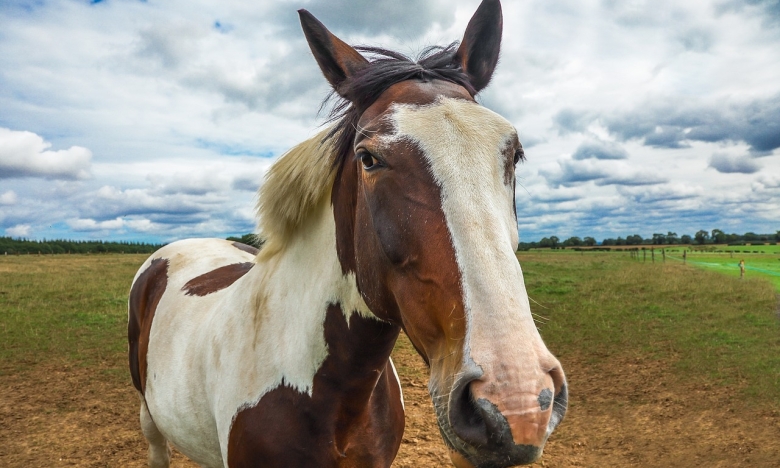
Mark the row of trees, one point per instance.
(12, 246)
(716, 236)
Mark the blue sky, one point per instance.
(156, 120)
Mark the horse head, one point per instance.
(423, 202)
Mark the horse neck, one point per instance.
(320, 321)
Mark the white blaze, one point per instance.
(463, 144)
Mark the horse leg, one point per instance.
(159, 452)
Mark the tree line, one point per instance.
(702, 237)
(11, 246)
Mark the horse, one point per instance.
(399, 215)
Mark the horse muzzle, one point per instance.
(490, 425)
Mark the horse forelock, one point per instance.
(386, 68)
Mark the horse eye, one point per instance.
(368, 160)
(519, 155)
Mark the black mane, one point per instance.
(386, 68)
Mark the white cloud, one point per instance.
(25, 154)
(8, 198)
(81, 225)
(20, 230)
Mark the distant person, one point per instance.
(741, 269)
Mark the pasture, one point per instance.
(668, 364)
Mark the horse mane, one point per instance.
(294, 186)
(301, 178)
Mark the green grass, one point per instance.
(769, 249)
(606, 308)
(758, 265)
(63, 307)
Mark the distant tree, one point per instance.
(554, 242)
(659, 239)
(635, 239)
(545, 242)
(685, 239)
(608, 242)
(620, 241)
(718, 236)
(777, 236)
(733, 237)
(671, 238)
(701, 237)
(249, 239)
(750, 236)
(572, 242)
(589, 241)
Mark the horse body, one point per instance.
(222, 340)
(401, 216)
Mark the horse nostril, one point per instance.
(466, 418)
(545, 399)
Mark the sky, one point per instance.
(157, 120)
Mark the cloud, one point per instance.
(767, 10)
(210, 61)
(599, 149)
(571, 121)
(575, 172)
(25, 154)
(406, 18)
(82, 225)
(727, 164)
(8, 198)
(675, 124)
(768, 182)
(696, 40)
(20, 230)
(110, 202)
(661, 192)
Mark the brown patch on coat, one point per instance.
(246, 248)
(144, 297)
(216, 280)
(353, 418)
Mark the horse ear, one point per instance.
(478, 51)
(336, 58)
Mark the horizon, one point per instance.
(560, 239)
(136, 121)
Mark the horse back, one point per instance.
(204, 266)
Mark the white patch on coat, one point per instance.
(212, 356)
(398, 381)
(463, 142)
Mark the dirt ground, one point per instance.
(621, 414)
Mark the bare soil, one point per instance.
(622, 413)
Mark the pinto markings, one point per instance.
(246, 248)
(145, 295)
(216, 280)
(354, 399)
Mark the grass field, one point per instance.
(668, 364)
(706, 326)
